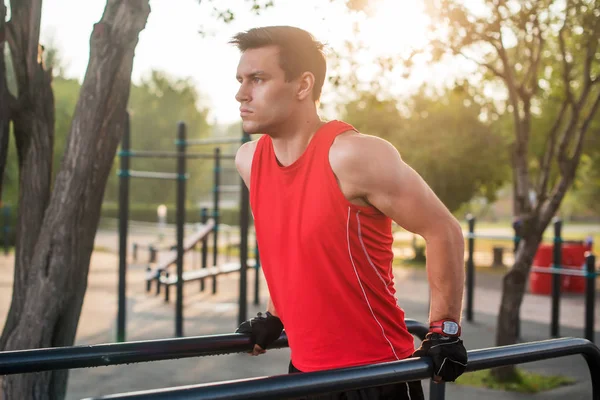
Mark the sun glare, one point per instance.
(395, 27)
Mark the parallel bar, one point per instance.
(198, 142)
(153, 175)
(57, 358)
(313, 383)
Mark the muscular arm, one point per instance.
(243, 163)
(371, 169)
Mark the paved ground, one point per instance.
(149, 317)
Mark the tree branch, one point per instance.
(549, 153)
(566, 75)
(582, 131)
(489, 66)
(531, 76)
(591, 48)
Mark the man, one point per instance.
(323, 198)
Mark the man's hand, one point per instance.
(448, 354)
(263, 329)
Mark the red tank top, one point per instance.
(327, 262)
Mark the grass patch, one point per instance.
(525, 382)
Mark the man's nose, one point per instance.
(242, 94)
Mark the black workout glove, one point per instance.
(263, 329)
(448, 354)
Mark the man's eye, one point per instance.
(257, 80)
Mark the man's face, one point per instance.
(266, 99)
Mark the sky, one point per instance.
(171, 41)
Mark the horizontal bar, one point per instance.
(48, 359)
(491, 237)
(228, 188)
(225, 140)
(563, 271)
(171, 154)
(155, 175)
(313, 383)
(56, 358)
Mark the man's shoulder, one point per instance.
(244, 155)
(352, 147)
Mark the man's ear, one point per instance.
(305, 85)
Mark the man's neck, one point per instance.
(292, 141)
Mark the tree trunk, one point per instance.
(513, 290)
(51, 301)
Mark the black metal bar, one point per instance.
(244, 227)
(180, 225)
(590, 296)
(217, 182)
(556, 279)
(313, 383)
(123, 225)
(204, 219)
(196, 142)
(57, 358)
(256, 275)
(470, 268)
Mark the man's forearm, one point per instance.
(446, 273)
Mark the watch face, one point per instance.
(450, 328)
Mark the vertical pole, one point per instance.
(437, 391)
(257, 275)
(244, 220)
(470, 267)
(556, 278)
(123, 225)
(181, 145)
(204, 219)
(517, 225)
(6, 212)
(216, 192)
(590, 295)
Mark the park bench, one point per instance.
(189, 243)
(200, 274)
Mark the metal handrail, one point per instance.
(56, 358)
(311, 383)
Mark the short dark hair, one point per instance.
(299, 51)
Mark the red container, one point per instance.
(573, 257)
(541, 283)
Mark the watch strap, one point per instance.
(438, 327)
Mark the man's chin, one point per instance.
(250, 127)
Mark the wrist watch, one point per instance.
(446, 327)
